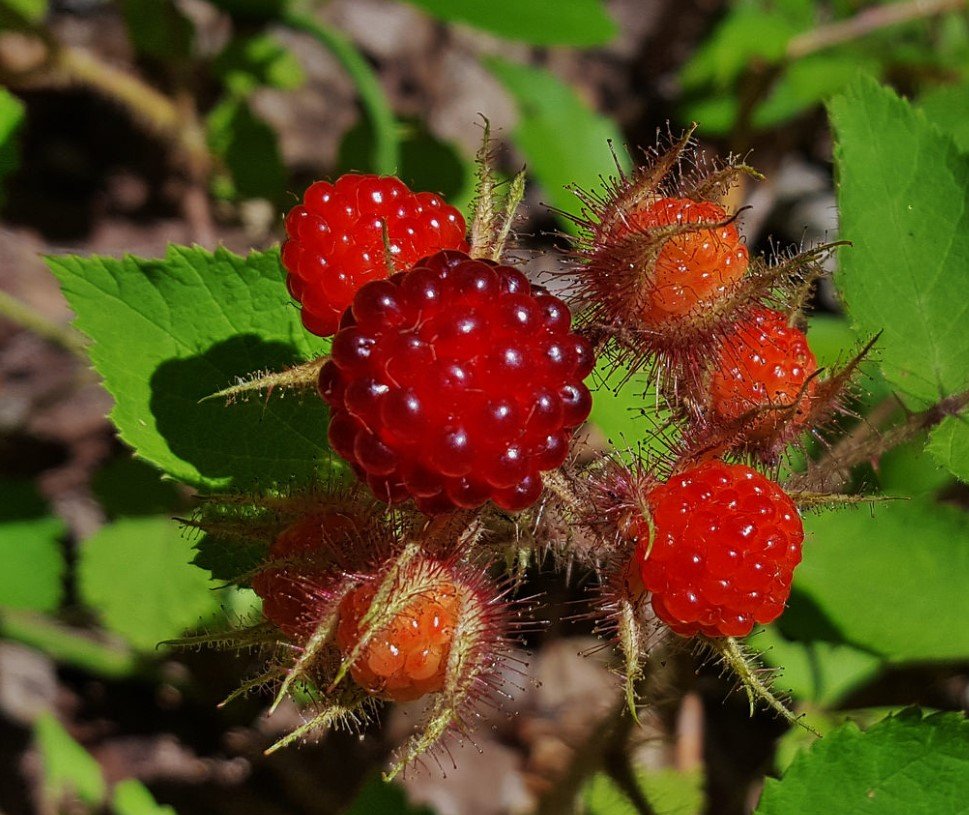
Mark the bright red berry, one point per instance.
(763, 362)
(408, 657)
(298, 559)
(336, 240)
(719, 550)
(455, 383)
(691, 269)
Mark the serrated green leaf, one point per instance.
(539, 22)
(380, 798)
(133, 798)
(248, 149)
(564, 142)
(947, 107)
(167, 333)
(909, 470)
(902, 199)
(259, 59)
(158, 28)
(819, 672)
(668, 792)
(890, 579)
(226, 559)
(137, 575)
(949, 445)
(31, 561)
(69, 771)
(904, 764)
(11, 120)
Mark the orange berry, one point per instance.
(763, 362)
(692, 268)
(407, 658)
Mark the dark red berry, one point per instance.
(718, 550)
(456, 383)
(335, 241)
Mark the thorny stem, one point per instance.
(557, 484)
(372, 97)
(867, 441)
(866, 22)
(158, 113)
(67, 338)
(733, 656)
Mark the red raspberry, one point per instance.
(724, 544)
(455, 383)
(335, 240)
(299, 558)
(692, 268)
(763, 362)
(408, 657)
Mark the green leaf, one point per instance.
(69, 646)
(669, 793)
(27, 11)
(819, 672)
(902, 198)
(249, 152)
(380, 798)
(126, 487)
(891, 579)
(167, 333)
(752, 32)
(133, 798)
(137, 575)
(226, 559)
(949, 445)
(576, 22)
(564, 142)
(810, 81)
(68, 769)
(11, 121)
(31, 561)
(158, 29)
(946, 108)
(909, 470)
(628, 411)
(904, 764)
(248, 62)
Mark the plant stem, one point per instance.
(868, 441)
(372, 96)
(24, 316)
(156, 111)
(866, 22)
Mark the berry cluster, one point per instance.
(455, 383)
(357, 229)
(718, 550)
